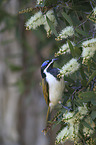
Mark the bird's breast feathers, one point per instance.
(56, 88)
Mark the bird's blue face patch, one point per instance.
(43, 66)
(45, 63)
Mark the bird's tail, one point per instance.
(48, 114)
(47, 119)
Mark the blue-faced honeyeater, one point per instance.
(53, 86)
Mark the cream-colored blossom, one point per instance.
(72, 121)
(68, 115)
(71, 130)
(40, 19)
(66, 32)
(47, 28)
(89, 43)
(89, 49)
(39, 2)
(83, 110)
(63, 134)
(70, 67)
(35, 21)
(94, 10)
(50, 15)
(88, 53)
(64, 49)
(88, 131)
(67, 133)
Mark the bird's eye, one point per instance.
(47, 61)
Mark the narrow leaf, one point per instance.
(82, 72)
(77, 51)
(56, 17)
(93, 101)
(87, 125)
(69, 79)
(83, 81)
(71, 48)
(81, 32)
(87, 94)
(93, 115)
(91, 77)
(67, 18)
(51, 26)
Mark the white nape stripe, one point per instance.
(48, 65)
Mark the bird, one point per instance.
(53, 87)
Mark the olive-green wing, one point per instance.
(45, 88)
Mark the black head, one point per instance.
(48, 64)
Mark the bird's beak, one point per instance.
(54, 59)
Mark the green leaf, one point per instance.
(91, 77)
(82, 72)
(67, 18)
(93, 101)
(87, 125)
(69, 79)
(76, 34)
(81, 32)
(77, 51)
(86, 94)
(71, 48)
(51, 26)
(56, 17)
(89, 96)
(49, 3)
(93, 115)
(83, 81)
(78, 103)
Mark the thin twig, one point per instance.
(83, 40)
(82, 23)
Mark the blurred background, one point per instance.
(22, 106)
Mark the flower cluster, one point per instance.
(50, 15)
(72, 128)
(94, 11)
(89, 48)
(40, 19)
(39, 2)
(87, 130)
(70, 67)
(66, 32)
(63, 135)
(35, 21)
(63, 49)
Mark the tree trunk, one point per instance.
(9, 93)
(32, 121)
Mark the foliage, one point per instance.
(72, 22)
